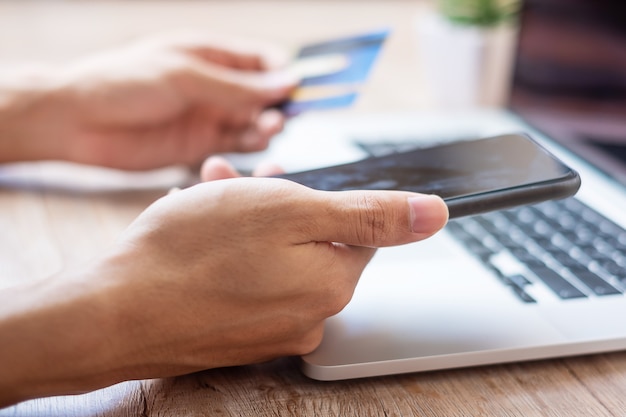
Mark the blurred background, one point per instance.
(426, 62)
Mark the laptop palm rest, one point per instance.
(414, 310)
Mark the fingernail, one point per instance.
(427, 213)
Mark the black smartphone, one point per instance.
(472, 176)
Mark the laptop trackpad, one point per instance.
(426, 300)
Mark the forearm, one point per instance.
(29, 98)
(55, 338)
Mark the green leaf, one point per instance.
(485, 13)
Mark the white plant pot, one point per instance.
(463, 66)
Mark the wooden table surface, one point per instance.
(53, 215)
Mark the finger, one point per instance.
(234, 90)
(260, 58)
(257, 137)
(267, 169)
(245, 54)
(376, 218)
(252, 136)
(270, 122)
(217, 168)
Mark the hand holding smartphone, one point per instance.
(472, 177)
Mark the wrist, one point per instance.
(57, 338)
(29, 99)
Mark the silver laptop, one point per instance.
(533, 282)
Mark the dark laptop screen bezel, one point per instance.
(581, 106)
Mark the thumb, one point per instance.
(378, 218)
(266, 87)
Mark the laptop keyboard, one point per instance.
(574, 250)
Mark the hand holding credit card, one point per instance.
(331, 72)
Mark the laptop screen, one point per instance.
(569, 77)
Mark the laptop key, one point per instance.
(517, 283)
(598, 285)
(518, 280)
(561, 287)
(612, 268)
(474, 245)
(523, 295)
(526, 257)
(566, 260)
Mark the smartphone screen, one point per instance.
(471, 176)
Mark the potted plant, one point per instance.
(466, 50)
(479, 13)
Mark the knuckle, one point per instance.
(336, 303)
(372, 226)
(337, 295)
(309, 341)
(183, 76)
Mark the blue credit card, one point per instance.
(332, 72)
